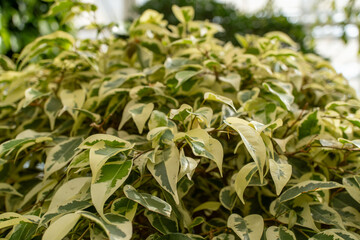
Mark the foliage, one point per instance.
(234, 21)
(21, 21)
(171, 134)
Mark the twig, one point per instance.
(297, 120)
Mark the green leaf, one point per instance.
(210, 205)
(110, 177)
(352, 186)
(196, 222)
(23, 231)
(252, 140)
(305, 187)
(243, 178)
(60, 155)
(250, 227)
(279, 233)
(124, 207)
(332, 234)
(165, 169)
(208, 96)
(61, 227)
(183, 76)
(309, 126)
(116, 227)
(280, 173)
(152, 203)
(161, 223)
(8, 189)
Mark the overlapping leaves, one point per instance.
(171, 134)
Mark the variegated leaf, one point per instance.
(187, 165)
(31, 95)
(8, 189)
(280, 173)
(224, 236)
(252, 141)
(165, 169)
(217, 98)
(243, 179)
(149, 201)
(279, 233)
(124, 207)
(71, 196)
(203, 145)
(61, 227)
(352, 186)
(227, 197)
(140, 113)
(163, 224)
(60, 155)
(283, 91)
(182, 113)
(324, 214)
(10, 218)
(249, 228)
(183, 76)
(102, 147)
(116, 227)
(232, 78)
(71, 100)
(305, 187)
(332, 234)
(110, 177)
(52, 109)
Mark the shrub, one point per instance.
(234, 21)
(171, 134)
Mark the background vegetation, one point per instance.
(233, 21)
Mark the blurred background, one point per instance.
(329, 28)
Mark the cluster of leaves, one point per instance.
(172, 134)
(235, 22)
(22, 21)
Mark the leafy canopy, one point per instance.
(173, 134)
